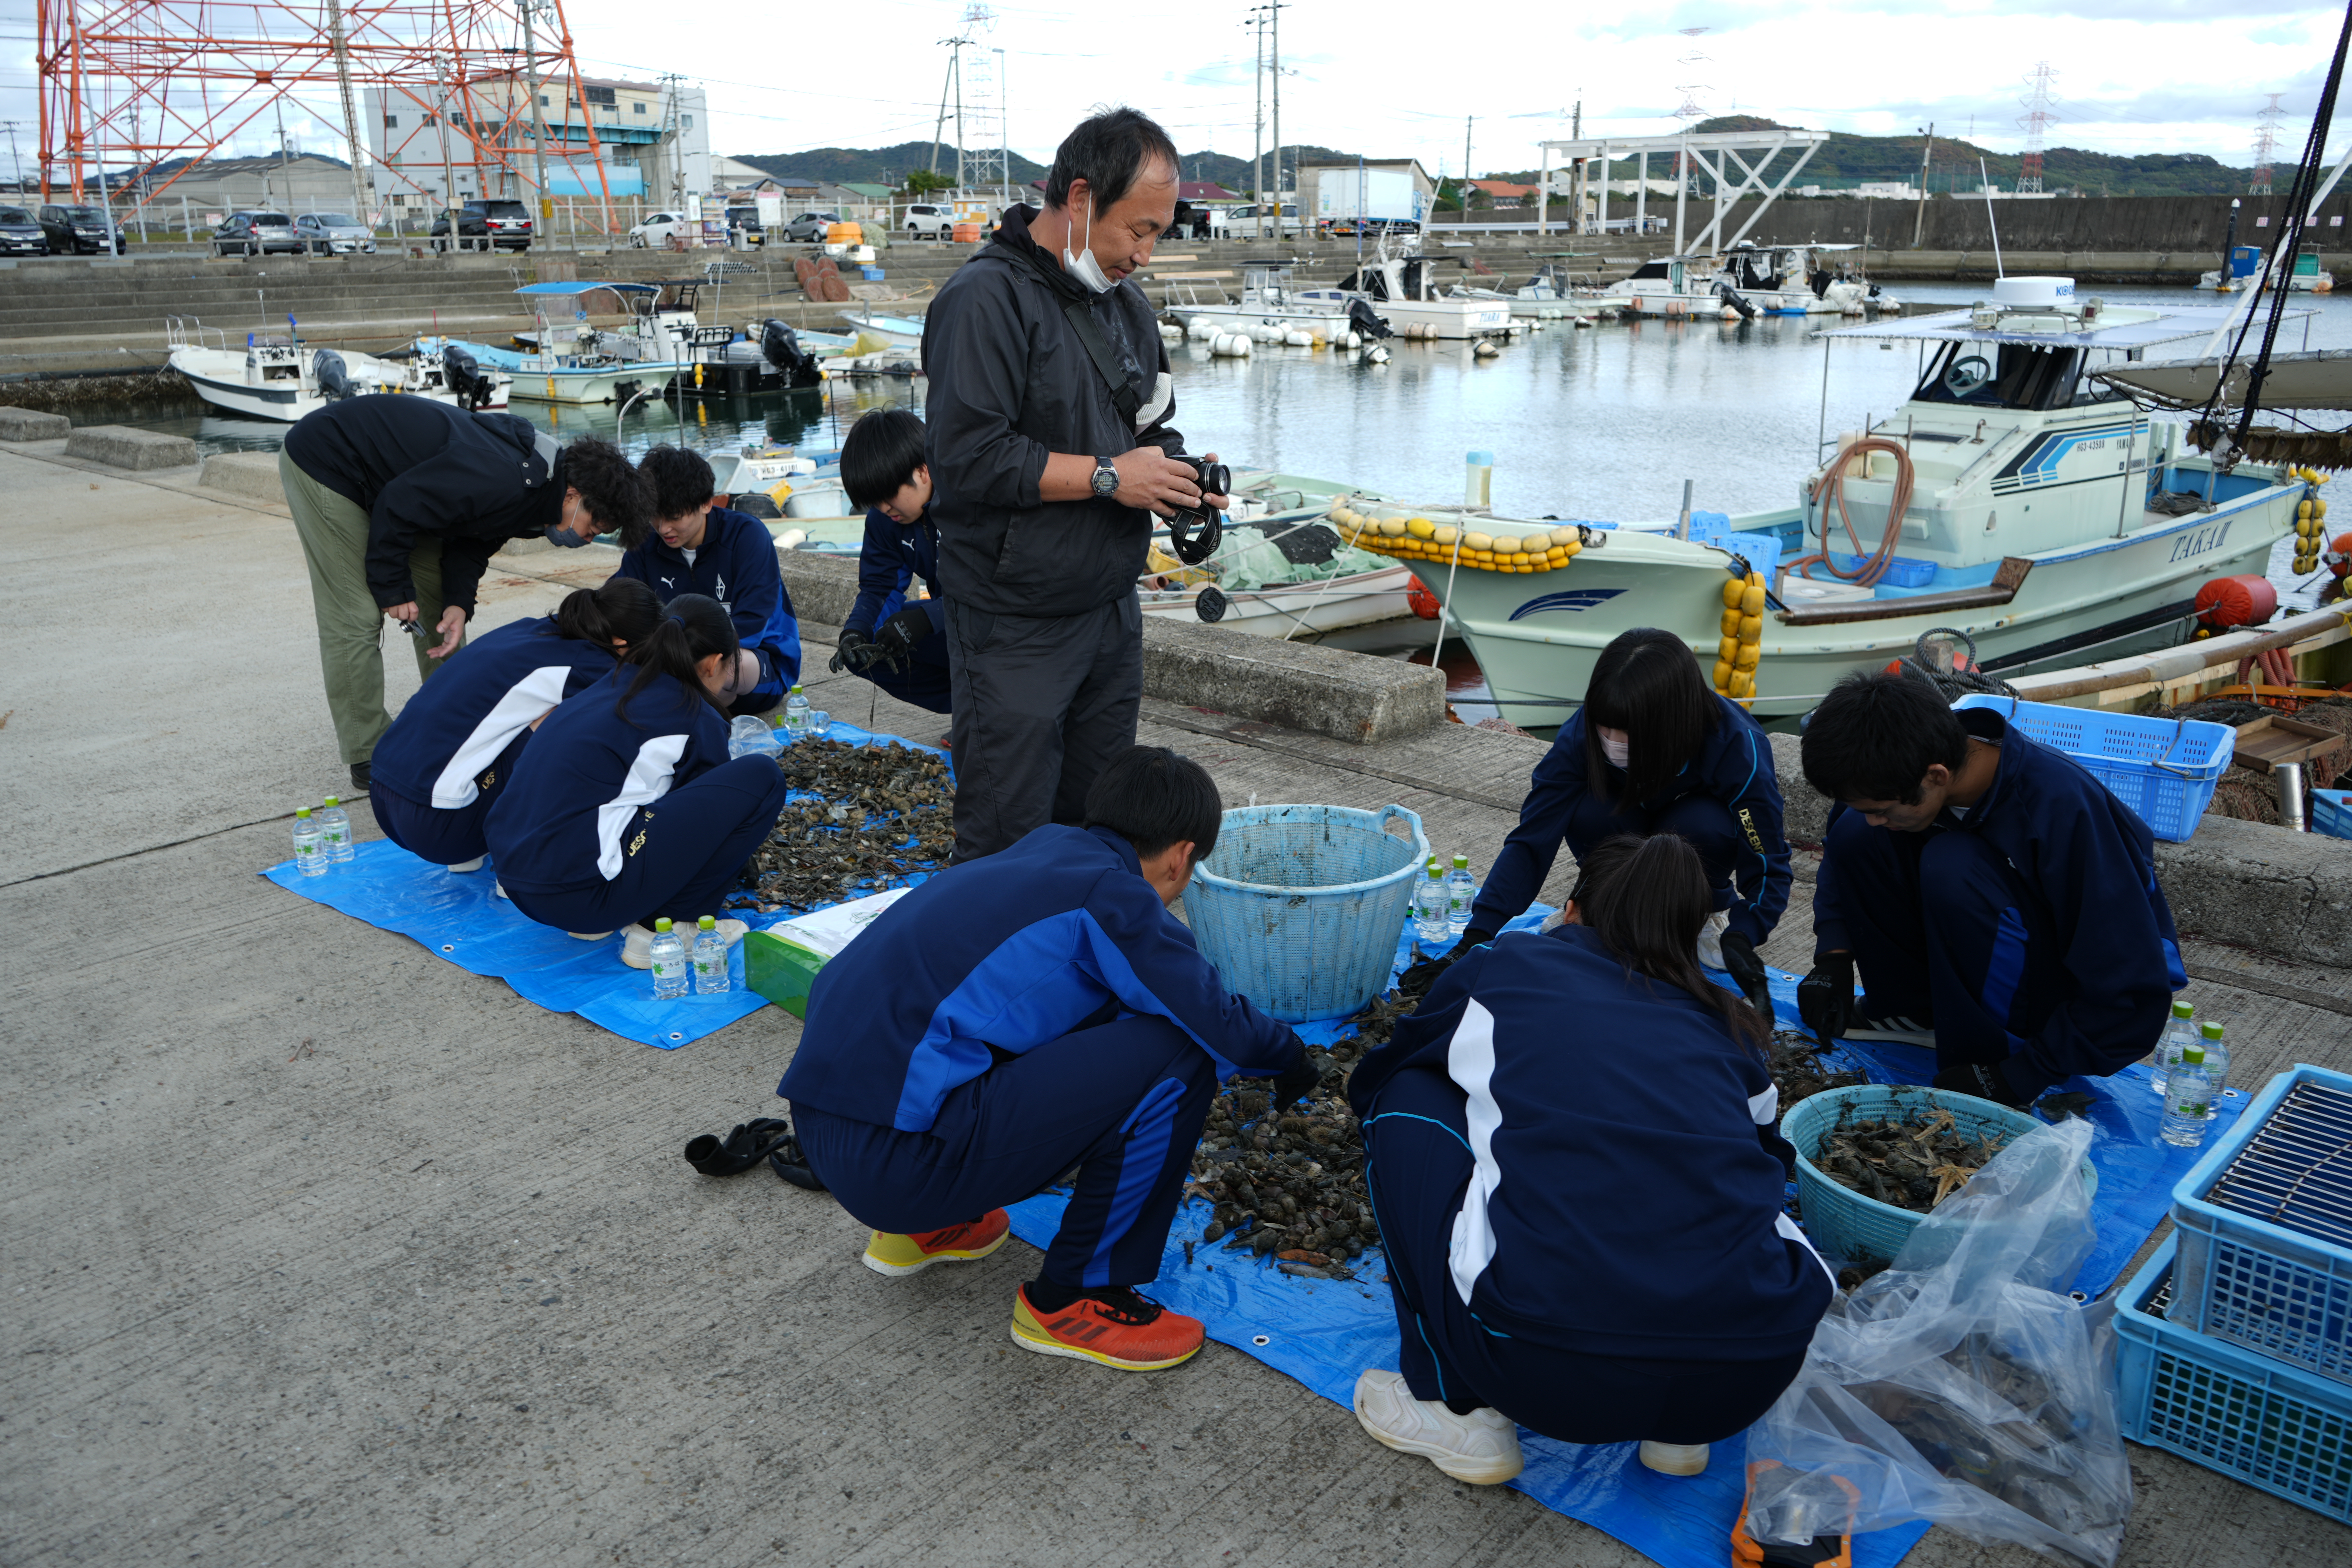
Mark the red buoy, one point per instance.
(1424, 601)
(2339, 554)
(2245, 600)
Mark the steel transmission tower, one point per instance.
(2037, 120)
(979, 129)
(1690, 109)
(127, 84)
(2266, 124)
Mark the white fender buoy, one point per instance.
(1584, 321)
(1169, 333)
(791, 538)
(1232, 345)
(1484, 348)
(1202, 330)
(1299, 338)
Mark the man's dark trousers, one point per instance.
(1043, 704)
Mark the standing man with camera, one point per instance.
(1051, 456)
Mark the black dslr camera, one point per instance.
(1192, 548)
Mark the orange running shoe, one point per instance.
(1115, 1326)
(890, 1254)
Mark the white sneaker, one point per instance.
(1710, 939)
(1482, 1447)
(1674, 1458)
(587, 935)
(462, 867)
(1893, 1026)
(638, 952)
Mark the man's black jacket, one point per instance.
(1011, 382)
(424, 470)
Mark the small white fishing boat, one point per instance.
(1281, 570)
(1801, 281)
(1269, 300)
(284, 379)
(1675, 288)
(898, 331)
(1401, 290)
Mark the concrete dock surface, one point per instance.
(320, 1250)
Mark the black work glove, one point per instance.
(845, 651)
(1747, 971)
(1417, 980)
(1298, 1082)
(1825, 997)
(770, 1138)
(1983, 1079)
(899, 634)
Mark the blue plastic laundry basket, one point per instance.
(1299, 906)
(2166, 770)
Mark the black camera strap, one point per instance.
(1123, 396)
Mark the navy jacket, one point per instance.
(1734, 766)
(1012, 383)
(2092, 861)
(424, 470)
(1627, 1183)
(589, 778)
(894, 555)
(477, 705)
(1058, 933)
(735, 564)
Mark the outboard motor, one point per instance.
(1367, 320)
(334, 380)
(464, 378)
(1737, 301)
(1820, 280)
(795, 364)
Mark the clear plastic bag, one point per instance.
(1962, 1387)
(751, 737)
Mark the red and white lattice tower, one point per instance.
(2266, 124)
(129, 84)
(2037, 120)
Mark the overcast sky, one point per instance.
(2134, 76)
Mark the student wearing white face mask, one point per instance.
(1653, 750)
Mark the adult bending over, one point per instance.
(1582, 1206)
(2002, 903)
(1050, 452)
(1654, 751)
(450, 753)
(400, 503)
(697, 546)
(898, 643)
(625, 807)
(1018, 1015)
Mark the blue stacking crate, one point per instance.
(1902, 571)
(2164, 769)
(2265, 1227)
(2227, 1410)
(2331, 812)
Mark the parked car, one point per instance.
(809, 227)
(73, 230)
(334, 234)
(256, 234)
(654, 229)
(746, 218)
(21, 234)
(1242, 222)
(504, 225)
(923, 218)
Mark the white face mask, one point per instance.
(1082, 265)
(1617, 747)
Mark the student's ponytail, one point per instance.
(622, 610)
(691, 629)
(1646, 899)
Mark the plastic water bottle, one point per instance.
(310, 857)
(2217, 1055)
(668, 959)
(335, 832)
(2188, 1100)
(797, 714)
(2178, 1034)
(1461, 892)
(711, 975)
(1429, 907)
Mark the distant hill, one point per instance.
(1845, 159)
(891, 165)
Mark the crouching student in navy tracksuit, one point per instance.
(625, 806)
(451, 751)
(1653, 750)
(697, 546)
(1570, 1150)
(1018, 1015)
(1998, 899)
(898, 643)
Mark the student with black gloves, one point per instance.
(1653, 750)
(697, 546)
(1018, 1015)
(625, 806)
(898, 643)
(449, 754)
(2000, 903)
(1570, 1150)
(400, 503)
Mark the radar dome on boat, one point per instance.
(2015, 291)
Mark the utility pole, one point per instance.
(954, 78)
(1256, 24)
(538, 119)
(1928, 150)
(350, 113)
(448, 176)
(14, 157)
(1274, 11)
(1464, 191)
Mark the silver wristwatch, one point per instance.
(1105, 479)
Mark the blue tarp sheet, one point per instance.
(1323, 1332)
(458, 918)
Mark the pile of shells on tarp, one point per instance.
(881, 814)
(1914, 1163)
(1798, 1070)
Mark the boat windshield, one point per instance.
(2010, 375)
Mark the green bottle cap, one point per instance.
(710, 923)
(2210, 1029)
(2183, 1010)
(1462, 862)
(662, 924)
(2193, 1055)
(303, 811)
(797, 690)
(334, 800)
